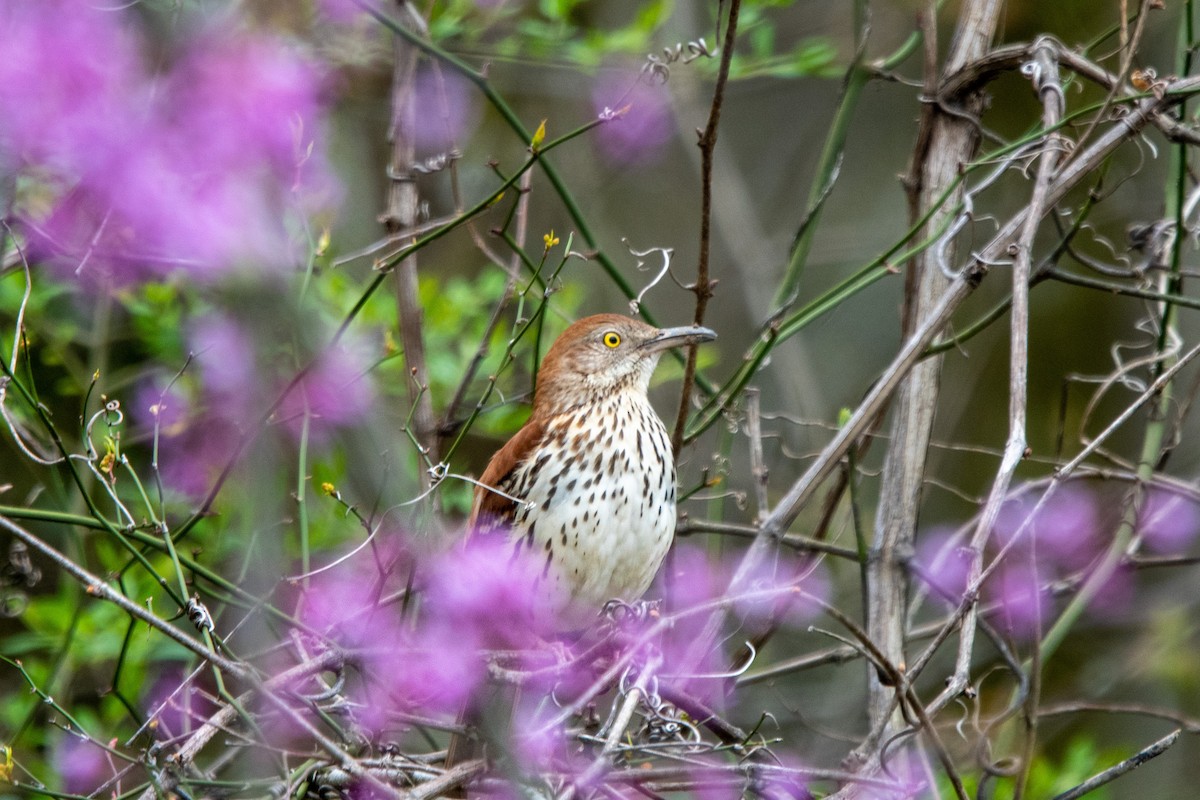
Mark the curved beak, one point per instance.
(667, 338)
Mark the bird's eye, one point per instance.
(612, 339)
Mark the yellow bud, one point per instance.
(539, 136)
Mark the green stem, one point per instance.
(302, 494)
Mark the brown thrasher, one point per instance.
(588, 484)
(589, 481)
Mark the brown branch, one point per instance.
(401, 214)
(703, 287)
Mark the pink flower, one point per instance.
(474, 600)
(946, 564)
(341, 11)
(81, 764)
(64, 82)
(491, 591)
(225, 355)
(1169, 522)
(193, 170)
(780, 592)
(1065, 529)
(441, 110)
(176, 707)
(639, 133)
(336, 391)
(1024, 604)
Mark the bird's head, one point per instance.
(606, 353)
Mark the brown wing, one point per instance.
(492, 507)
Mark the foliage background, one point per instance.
(213, 347)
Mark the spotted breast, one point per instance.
(587, 486)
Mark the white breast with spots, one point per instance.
(600, 505)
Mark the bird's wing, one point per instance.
(493, 507)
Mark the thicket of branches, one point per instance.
(237, 452)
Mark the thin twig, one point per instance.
(758, 467)
(1044, 73)
(402, 211)
(703, 287)
(1117, 770)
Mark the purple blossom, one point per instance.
(1065, 529)
(176, 707)
(64, 81)
(1114, 602)
(225, 355)
(397, 666)
(156, 404)
(192, 453)
(946, 564)
(639, 119)
(336, 391)
(341, 11)
(82, 764)
(475, 599)
(196, 439)
(694, 580)
(1023, 602)
(194, 169)
(441, 109)
(539, 746)
(502, 604)
(1168, 521)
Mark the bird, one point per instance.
(587, 485)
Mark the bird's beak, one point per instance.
(676, 337)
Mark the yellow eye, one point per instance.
(612, 339)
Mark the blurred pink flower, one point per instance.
(490, 591)
(336, 391)
(690, 579)
(399, 668)
(639, 134)
(946, 563)
(1114, 603)
(1065, 530)
(538, 747)
(176, 707)
(779, 592)
(475, 599)
(1168, 521)
(195, 170)
(81, 764)
(440, 111)
(341, 11)
(191, 455)
(225, 356)
(64, 82)
(1023, 602)
(155, 404)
